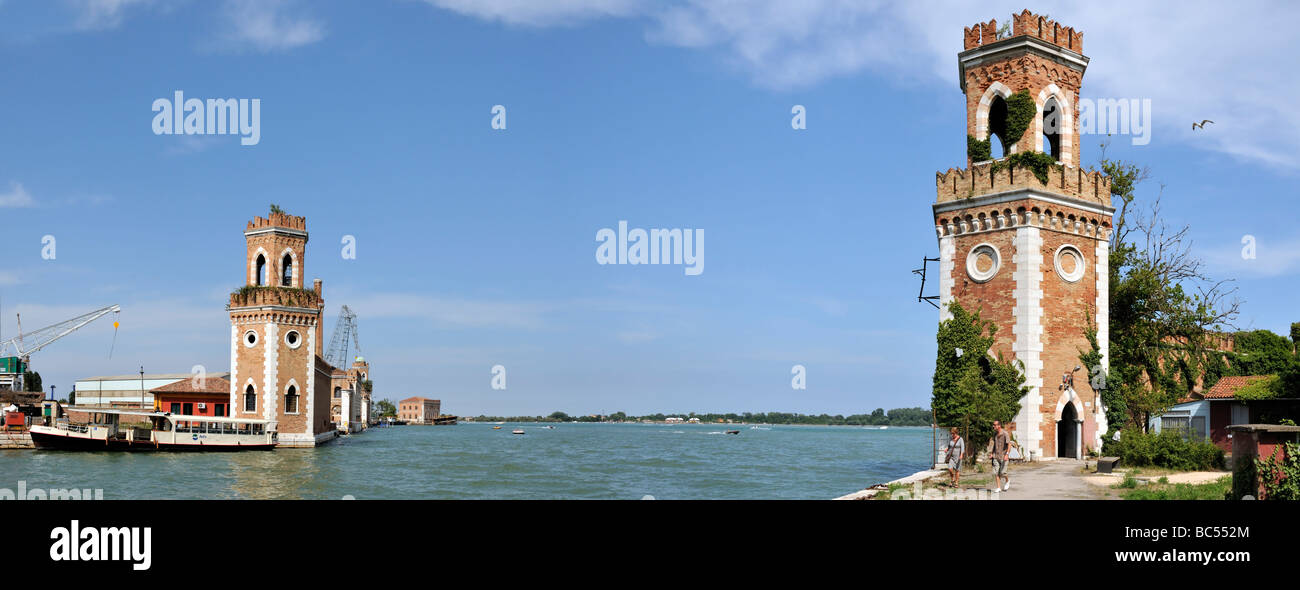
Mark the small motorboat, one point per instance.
(517, 431)
(496, 428)
(733, 432)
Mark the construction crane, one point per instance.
(24, 345)
(344, 330)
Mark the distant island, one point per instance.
(879, 417)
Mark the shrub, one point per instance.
(1166, 449)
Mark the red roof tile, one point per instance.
(1227, 387)
(214, 385)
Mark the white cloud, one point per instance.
(8, 279)
(1272, 259)
(268, 25)
(452, 313)
(16, 197)
(103, 14)
(1191, 60)
(541, 13)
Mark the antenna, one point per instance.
(921, 296)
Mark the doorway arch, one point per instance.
(1067, 433)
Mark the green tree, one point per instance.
(1163, 306)
(32, 381)
(971, 387)
(385, 408)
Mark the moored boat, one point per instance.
(166, 432)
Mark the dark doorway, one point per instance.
(1067, 432)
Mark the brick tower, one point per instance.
(1030, 255)
(276, 372)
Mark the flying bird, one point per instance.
(1201, 125)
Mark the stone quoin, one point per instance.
(1031, 256)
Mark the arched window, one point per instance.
(998, 127)
(291, 400)
(250, 399)
(286, 276)
(261, 270)
(1053, 122)
(338, 392)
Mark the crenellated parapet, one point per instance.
(252, 296)
(981, 179)
(277, 220)
(1025, 24)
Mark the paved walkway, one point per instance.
(1062, 479)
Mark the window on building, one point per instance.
(291, 400)
(286, 276)
(175, 408)
(187, 409)
(261, 270)
(998, 127)
(250, 399)
(219, 409)
(338, 392)
(1052, 127)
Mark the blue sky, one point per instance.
(475, 247)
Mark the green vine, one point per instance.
(1020, 114)
(978, 151)
(1037, 162)
(1281, 477)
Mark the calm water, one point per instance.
(473, 461)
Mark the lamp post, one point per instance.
(142, 386)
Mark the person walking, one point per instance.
(999, 448)
(956, 452)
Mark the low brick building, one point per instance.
(418, 410)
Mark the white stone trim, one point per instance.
(244, 389)
(252, 266)
(284, 231)
(294, 384)
(986, 102)
(270, 372)
(1022, 193)
(947, 262)
(1028, 329)
(1080, 266)
(1067, 121)
(291, 345)
(1103, 328)
(972, 259)
(296, 279)
(311, 381)
(243, 337)
(235, 335)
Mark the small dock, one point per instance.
(16, 439)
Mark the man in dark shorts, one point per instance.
(999, 448)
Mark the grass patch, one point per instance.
(1215, 490)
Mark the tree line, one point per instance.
(878, 417)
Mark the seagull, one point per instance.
(1201, 125)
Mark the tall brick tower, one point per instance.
(1030, 255)
(276, 372)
